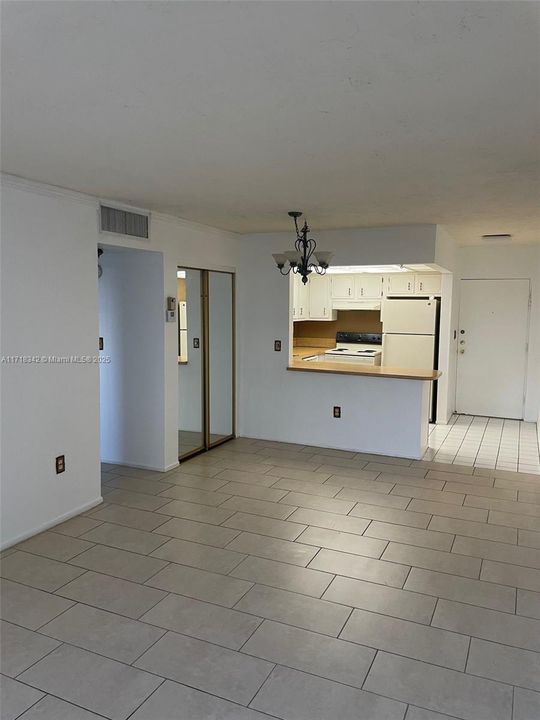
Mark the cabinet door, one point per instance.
(342, 287)
(300, 299)
(428, 284)
(320, 303)
(368, 286)
(400, 284)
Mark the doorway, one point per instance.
(206, 359)
(492, 347)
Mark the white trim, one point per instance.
(138, 467)
(20, 183)
(52, 523)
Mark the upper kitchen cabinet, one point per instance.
(428, 284)
(368, 286)
(300, 299)
(320, 298)
(342, 287)
(400, 284)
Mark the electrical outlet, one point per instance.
(101, 344)
(196, 343)
(277, 345)
(60, 464)
(337, 411)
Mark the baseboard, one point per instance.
(138, 467)
(52, 523)
(171, 467)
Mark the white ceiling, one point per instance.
(232, 113)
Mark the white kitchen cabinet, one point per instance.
(400, 284)
(300, 299)
(427, 284)
(320, 299)
(342, 287)
(368, 286)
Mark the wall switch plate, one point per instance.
(60, 464)
(277, 345)
(337, 411)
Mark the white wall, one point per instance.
(49, 307)
(278, 404)
(512, 261)
(131, 385)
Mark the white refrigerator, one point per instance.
(410, 330)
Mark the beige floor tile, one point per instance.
(294, 553)
(374, 498)
(480, 490)
(294, 609)
(345, 542)
(27, 606)
(386, 600)
(410, 535)
(502, 552)
(284, 576)
(119, 563)
(341, 507)
(482, 531)
(76, 526)
(360, 484)
(293, 694)
(439, 689)
(331, 521)
(196, 705)
(285, 530)
(311, 476)
(486, 624)
(109, 593)
(194, 511)
(403, 637)
(21, 648)
(438, 496)
(96, 683)
(505, 574)
(138, 519)
(258, 507)
(513, 520)
(16, 697)
(195, 495)
(148, 487)
(505, 664)
(529, 538)
(227, 673)
(258, 492)
(310, 488)
(38, 572)
(51, 708)
(526, 704)
(361, 568)
(390, 515)
(528, 603)
(54, 546)
(448, 510)
(140, 501)
(200, 584)
(311, 652)
(202, 620)
(103, 632)
(196, 532)
(125, 538)
(199, 556)
(433, 560)
(467, 590)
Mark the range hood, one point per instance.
(356, 305)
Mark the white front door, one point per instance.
(492, 347)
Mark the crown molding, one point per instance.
(39, 188)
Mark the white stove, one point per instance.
(357, 347)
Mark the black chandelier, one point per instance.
(300, 260)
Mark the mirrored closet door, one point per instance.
(206, 369)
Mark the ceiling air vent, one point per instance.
(123, 222)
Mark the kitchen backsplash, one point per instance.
(347, 320)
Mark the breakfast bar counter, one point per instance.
(354, 368)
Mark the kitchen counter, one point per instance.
(353, 368)
(300, 351)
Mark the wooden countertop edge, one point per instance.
(369, 371)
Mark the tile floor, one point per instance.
(266, 580)
(486, 442)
